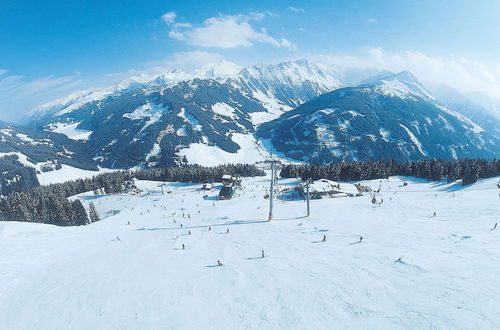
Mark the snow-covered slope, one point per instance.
(453, 99)
(36, 148)
(403, 85)
(389, 117)
(85, 278)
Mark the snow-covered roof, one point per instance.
(320, 186)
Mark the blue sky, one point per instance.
(51, 48)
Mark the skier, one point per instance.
(128, 222)
(324, 238)
(181, 224)
(262, 253)
(360, 239)
(495, 226)
(400, 259)
(189, 232)
(227, 230)
(434, 214)
(183, 247)
(118, 239)
(220, 263)
(209, 228)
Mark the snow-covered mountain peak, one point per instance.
(143, 80)
(403, 85)
(295, 72)
(221, 69)
(292, 83)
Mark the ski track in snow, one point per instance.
(84, 278)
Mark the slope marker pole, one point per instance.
(271, 193)
(308, 198)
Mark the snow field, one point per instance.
(84, 277)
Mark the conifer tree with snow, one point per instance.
(94, 217)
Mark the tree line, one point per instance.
(50, 204)
(467, 170)
(14, 176)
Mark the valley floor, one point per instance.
(111, 275)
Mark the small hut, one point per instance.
(226, 193)
(227, 180)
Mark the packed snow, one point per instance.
(411, 269)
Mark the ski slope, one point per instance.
(85, 278)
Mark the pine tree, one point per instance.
(93, 213)
(81, 217)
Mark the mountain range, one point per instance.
(293, 109)
(387, 117)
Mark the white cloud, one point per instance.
(169, 18)
(2, 71)
(187, 61)
(18, 87)
(227, 31)
(371, 20)
(297, 10)
(463, 74)
(19, 94)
